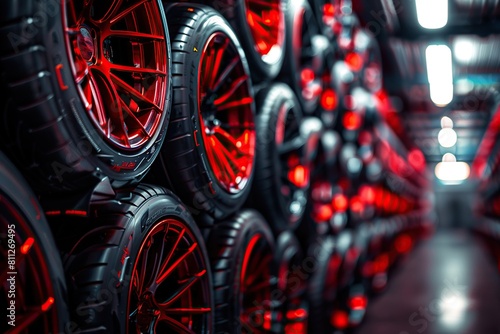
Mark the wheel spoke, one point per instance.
(111, 12)
(189, 310)
(139, 36)
(167, 271)
(235, 104)
(227, 71)
(168, 258)
(181, 290)
(234, 86)
(133, 92)
(217, 62)
(132, 69)
(127, 11)
(176, 325)
(134, 118)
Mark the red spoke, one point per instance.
(225, 159)
(189, 310)
(164, 274)
(127, 11)
(132, 116)
(133, 92)
(230, 67)
(234, 86)
(174, 247)
(217, 62)
(181, 290)
(133, 69)
(115, 6)
(134, 35)
(235, 104)
(176, 325)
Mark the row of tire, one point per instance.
(280, 220)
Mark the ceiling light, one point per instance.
(432, 14)
(447, 137)
(450, 171)
(464, 50)
(439, 74)
(446, 122)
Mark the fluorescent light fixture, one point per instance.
(440, 73)
(432, 14)
(446, 122)
(464, 49)
(447, 137)
(450, 171)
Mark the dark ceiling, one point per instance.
(473, 35)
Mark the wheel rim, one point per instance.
(309, 58)
(35, 310)
(226, 113)
(255, 286)
(170, 287)
(266, 21)
(119, 61)
(295, 168)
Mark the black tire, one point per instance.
(37, 270)
(287, 143)
(235, 246)
(102, 266)
(198, 174)
(235, 12)
(306, 50)
(291, 313)
(323, 290)
(52, 124)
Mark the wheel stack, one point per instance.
(224, 166)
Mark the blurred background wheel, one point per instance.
(260, 27)
(241, 252)
(90, 90)
(140, 266)
(286, 147)
(208, 157)
(33, 276)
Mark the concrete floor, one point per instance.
(448, 285)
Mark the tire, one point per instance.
(286, 148)
(291, 313)
(322, 289)
(306, 50)
(265, 55)
(209, 151)
(37, 270)
(103, 272)
(74, 114)
(236, 247)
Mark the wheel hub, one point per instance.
(85, 43)
(147, 312)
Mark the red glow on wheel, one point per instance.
(267, 25)
(120, 67)
(340, 203)
(417, 159)
(357, 205)
(307, 76)
(25, 248)
(358, 303)
(339, 319)
(367, 194)
(48, 304)
(403, 244)
(351, 120)
(354, 61)
(299, 176)
(297, 314)
(329, 99)
(322, 213)
(381, 264)
(226, 113)
(297, 328)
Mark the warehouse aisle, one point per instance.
(447, 285)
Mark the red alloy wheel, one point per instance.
(255, 286)
(169, 283)
(266, 21)
(120, 66)
(35, 310)
(226, 116)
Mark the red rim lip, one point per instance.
(35, 303)
(267, 34)
(122, 77)
(226, 113)
(166, 296)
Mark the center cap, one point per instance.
(86, 44)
